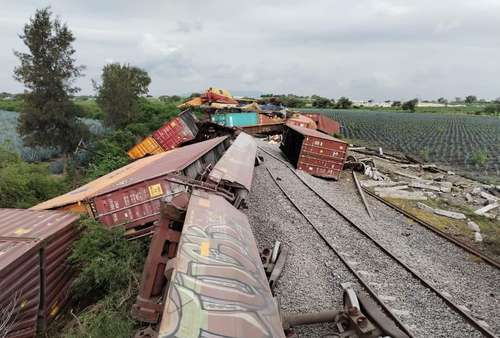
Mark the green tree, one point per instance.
(470, 99)
(48, 117)
(442, 100)
(119, 94)
(321, 102)
(344, 103)
(410, 105)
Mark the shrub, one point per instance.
(109, 269)
(480, 157)
(106, 260)
(22, 184)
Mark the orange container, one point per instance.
(148, 146)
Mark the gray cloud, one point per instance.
(363, 49)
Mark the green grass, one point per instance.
(467, 144)
(489, 228)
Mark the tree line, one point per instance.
(49, 116)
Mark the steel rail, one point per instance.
(424, 282)
(490, 260)
(349, 266)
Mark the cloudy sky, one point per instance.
(364, 49)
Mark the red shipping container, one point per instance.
(314, 152)
(324, 123)
(34, 275)
(178, 130)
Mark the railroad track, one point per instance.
(419, 308)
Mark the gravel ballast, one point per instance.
(449, 268)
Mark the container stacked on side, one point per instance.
(324, 123)
(34, 275)
(314, 152)
(130, 196)
(175, 132)
(300, 120)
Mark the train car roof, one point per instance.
(235, 166)
(218, 285)
(140, 170)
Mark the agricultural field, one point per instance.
(10, 138)
(466, 144)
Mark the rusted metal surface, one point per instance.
(264, 129)
(148, 146)
(443, 295)
(129, 197)
(490, 260)
(137, 205)
(149, 302)
(300, 120)
(178, 130)
(34, 275)
(324, 123)
(361, 194)
(236, 166)
(314, 152)
(218, 286)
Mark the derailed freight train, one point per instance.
(204, 275)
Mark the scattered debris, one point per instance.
(489, 197)
(478, 237)
(441, 212)
(400, 173)
(405, 195)
(473, 226)
(360, 191)
(482, 211)
(449, 214)
(425, 207)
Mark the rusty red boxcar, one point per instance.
(34, 275)
(129, 197)
(324, 123)
(176, 131)
(314, 152)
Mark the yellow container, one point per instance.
(148, 146)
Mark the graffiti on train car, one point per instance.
(218, 285)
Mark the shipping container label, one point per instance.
(155, 190)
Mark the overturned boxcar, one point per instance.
(314, 152)
(175, 132)
(129, 197)
(34, 275)
(324, 123)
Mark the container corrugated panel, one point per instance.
(20, 285)
(236, 119)
(237, 164)
(265, 119)
(324, 123)
(137, 205)
(148, 146)
(175, 132)
(314, 152)
(34, 246)
(218, 285)
(301, 121)
(129, 196)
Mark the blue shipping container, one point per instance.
(236, 119)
